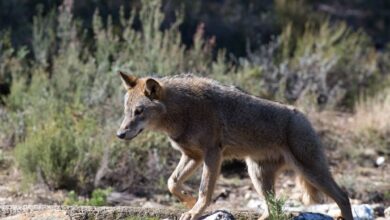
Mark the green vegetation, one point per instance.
(98, 198)
(276, 208)
(65, 98)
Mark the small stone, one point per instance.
(379, 210)
(387, 212)
(122, 198)
(363, 212)
(379, 161)
(248, 195)
(322, 208)
(369, 152)
(254, 204)
(218, 215)
(334, 211)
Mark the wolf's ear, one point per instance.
(128, 81)
(153, 89)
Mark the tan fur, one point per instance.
(209, 122)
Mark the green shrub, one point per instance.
(12, 61)
(98, 198)
(276, 208)
(66, 108)
(5, 160)
(64, 150)
(327, 65)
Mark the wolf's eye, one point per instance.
(138, 111)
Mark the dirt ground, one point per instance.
(366, 183)
(232, 192)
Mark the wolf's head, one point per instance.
(143, 106)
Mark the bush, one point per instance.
(327, 65)
(12, 64)
(64, 150)
(276, 211)
(98, 198)
(66, 107)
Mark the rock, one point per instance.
(322, 208)
(379, 210)
(334, 211)
(369, 153)
(122, 198)
(312, 216)
(150, 204)
(255, 204)
(218, 215)
(379, 161)
(40, 215)
(248, 195)
(387, 212)
(293, 208)
(362, 212)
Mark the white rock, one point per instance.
(219, 215)
(255, 204)
(362, 212)
(380, 160)
(289, 209)
(334, 211)
(323, 208)
(387, 212)
(248, 195)
(359, 212)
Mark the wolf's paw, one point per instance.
(189, 216)
(264, 216)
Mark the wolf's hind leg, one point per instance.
(308, 158)
(310, 193)
(320, 177)
(263, 178)
(183, 171)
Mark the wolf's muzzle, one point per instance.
(121, 134)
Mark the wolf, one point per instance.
(209, 122)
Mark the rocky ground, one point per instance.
(233, 193)
(367, 181)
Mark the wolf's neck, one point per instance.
(174, 122)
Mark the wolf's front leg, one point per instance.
(211, 168)
(183, 170)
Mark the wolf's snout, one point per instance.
(121, 134)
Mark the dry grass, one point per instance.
(361, 135)
(373, 114)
